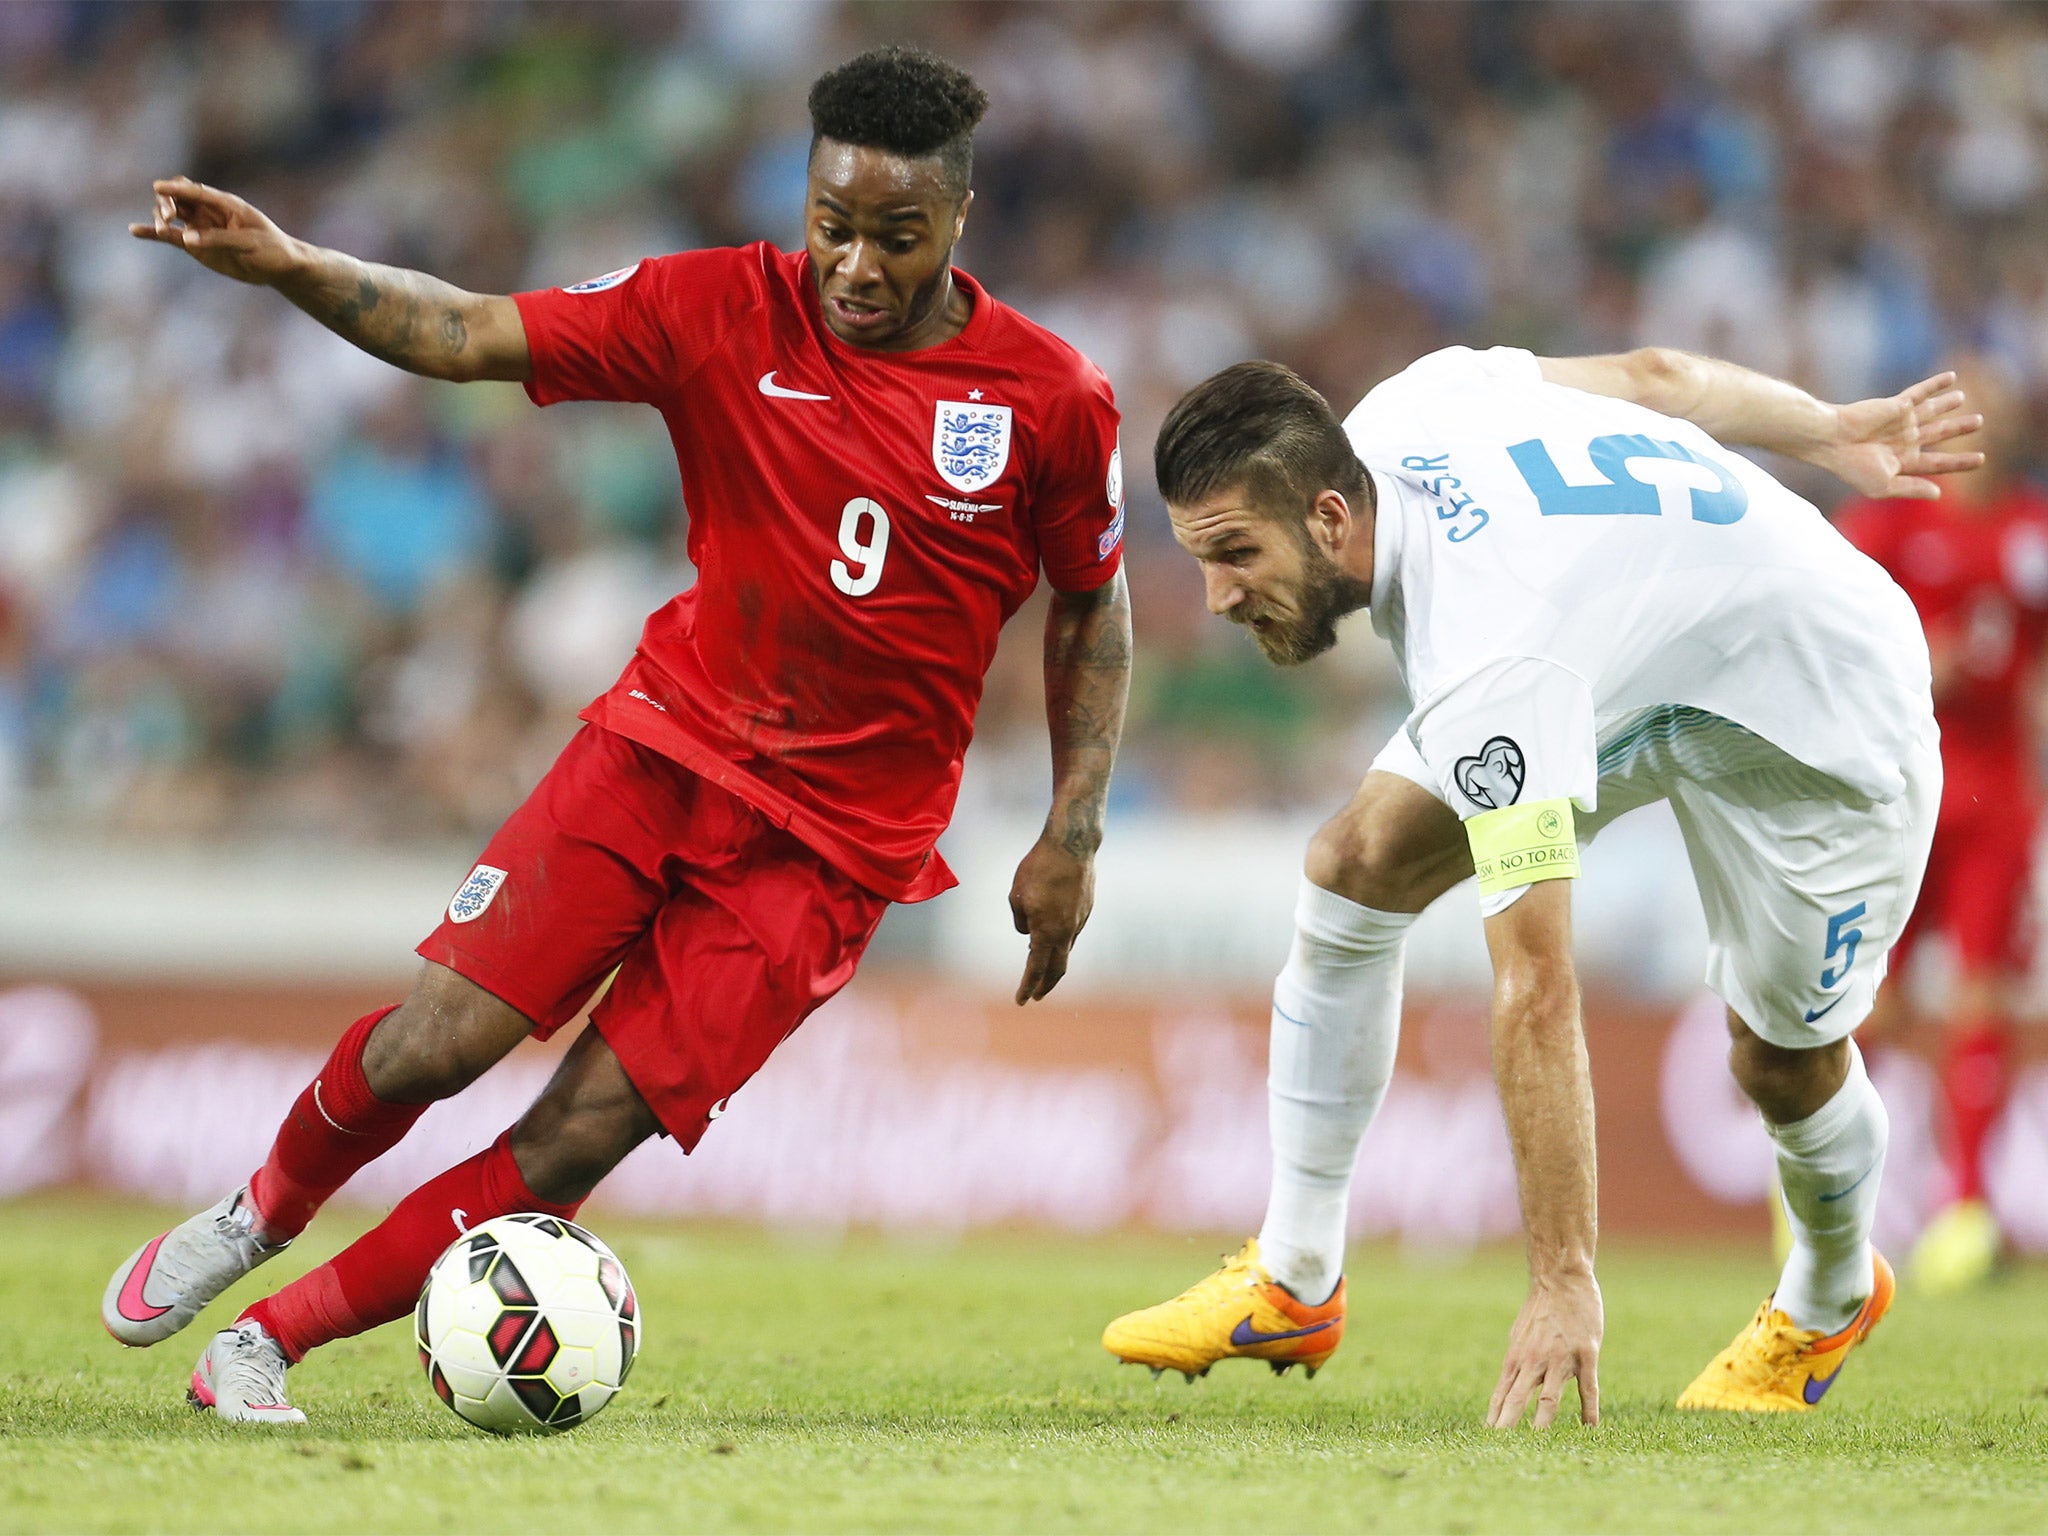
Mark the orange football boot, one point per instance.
(1775, 1366)
(1238, 1313)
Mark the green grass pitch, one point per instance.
(889, 1385)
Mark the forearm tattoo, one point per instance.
(1087, 681)
(408, 319)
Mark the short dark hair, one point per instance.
(905, 101)
(1258, 425)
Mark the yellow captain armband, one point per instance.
(1522, 844)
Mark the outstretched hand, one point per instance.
(1884, 447)
(1556, 1339)
(219, 231)
(1050, 900)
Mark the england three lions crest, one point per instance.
(970, 443)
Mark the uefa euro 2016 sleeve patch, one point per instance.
(1113, 487)
(600, 284)
(1521, 844)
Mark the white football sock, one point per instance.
(1336, 1020)
(1830, 1165)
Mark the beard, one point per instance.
(1323, 595)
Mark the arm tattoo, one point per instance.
(1087, 680)
(350, 310)
(408, 319)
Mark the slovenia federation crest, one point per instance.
(970, 443)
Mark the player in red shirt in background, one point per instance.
(1975, 564)
(878, 459)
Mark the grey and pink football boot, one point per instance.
(241, 1378)
(170, 1279)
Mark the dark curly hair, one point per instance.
(905, 101)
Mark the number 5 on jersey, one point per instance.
(861, 571)
(1641, 476)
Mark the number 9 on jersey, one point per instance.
(861, 571)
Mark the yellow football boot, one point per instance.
(1240, 1312)
(1774, 1366)
(1958, 1251)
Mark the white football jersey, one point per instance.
(1552, 566)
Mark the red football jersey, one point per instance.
(1979, 577)
(862, 524)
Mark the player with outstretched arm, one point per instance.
(1594, 605)
(878, 460)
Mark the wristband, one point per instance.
(1521, 844)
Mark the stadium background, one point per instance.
(284, 633)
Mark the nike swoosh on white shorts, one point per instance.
(775, 391)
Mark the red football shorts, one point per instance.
(725, 930)
(1979, 871)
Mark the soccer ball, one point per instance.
(527, 1325)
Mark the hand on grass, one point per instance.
(1556, 1339)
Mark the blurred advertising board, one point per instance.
(914, 1103)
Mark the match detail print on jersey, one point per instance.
(1521, 844)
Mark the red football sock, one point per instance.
(378, 1277)
(1974, 1084)
(336, 1126)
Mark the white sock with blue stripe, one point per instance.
(1830, 1165)
(1336, 1021)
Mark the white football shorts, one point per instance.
(1806, 885)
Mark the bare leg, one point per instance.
(1394, 848)
(446, 1034)
(1785, 1085)
(583, 1125)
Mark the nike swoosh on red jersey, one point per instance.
(131, 1303)
(775, 391)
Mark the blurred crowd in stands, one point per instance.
(252, 581)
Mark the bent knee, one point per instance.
(1786, 1084)
(446, 1035)
(1379, 862)
(405, 1063)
